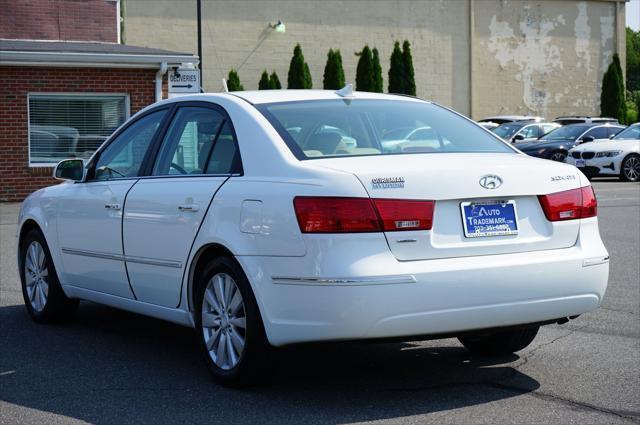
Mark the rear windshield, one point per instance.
(328, 128)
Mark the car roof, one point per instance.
(595, 124)
(273, 96)
(514, 118)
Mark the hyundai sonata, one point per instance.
(239, 214)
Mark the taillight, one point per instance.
(570, 204)
(400, 214)
(358, 215)
(336, 215)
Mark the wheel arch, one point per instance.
(26, 226)
(205, 254)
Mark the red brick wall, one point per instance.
(17, 179)
(77, 20)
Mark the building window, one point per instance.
(71, 125)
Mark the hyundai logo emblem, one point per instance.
(490, 181)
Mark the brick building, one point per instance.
(66, 83)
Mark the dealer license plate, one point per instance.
(493, 218)
(580, 163)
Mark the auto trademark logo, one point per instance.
(388, 183)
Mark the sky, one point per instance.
(633, 15)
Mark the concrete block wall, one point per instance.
(236, 35)
(544, 58)
(520, 56)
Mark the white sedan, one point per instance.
(206, 211)
(618, 156)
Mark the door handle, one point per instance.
(113, 206)
(189, 207)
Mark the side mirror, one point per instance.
(587, 139)
(70, 169)
(518, 137)
(612, 136)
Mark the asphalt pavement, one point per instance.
(113, 367)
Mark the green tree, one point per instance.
(632, 111)
(233, 81)
(299, 76)
(611, 99)
(377, 72)
(633, 60)
(264, 83)
(364, 71)
(333, 72)
(409, 75)
(274, 82)
(308, 83)
(396, 70)
(622, 111)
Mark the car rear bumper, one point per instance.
(597, 166)
(338, 293)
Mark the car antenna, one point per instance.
(224, 85)
(346, 91)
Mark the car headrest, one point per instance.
(324, 142)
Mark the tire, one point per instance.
(499, 343)
(558, 156)
(630, 168)
(235, 356)
(43, 296)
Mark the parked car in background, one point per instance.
(492, 122)
(556, 144)
(582, 119)
(411, 138)
(619, 156)
(488, 125)
(501, 119)
(246, 216)
(524, 131)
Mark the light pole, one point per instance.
(199, 6)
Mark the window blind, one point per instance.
(71, 126)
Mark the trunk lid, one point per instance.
(452, 179)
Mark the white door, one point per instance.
(90, 213)
(164, 211)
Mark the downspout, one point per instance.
(159, 75)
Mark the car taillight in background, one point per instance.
(570, 204)
(358, 215)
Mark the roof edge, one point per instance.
(9, 57)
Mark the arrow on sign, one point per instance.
(185, 86)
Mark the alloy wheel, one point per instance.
(223, 321)
(36, 275)
(632, 168)
(558, 156)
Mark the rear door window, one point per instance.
(188, 142)
(598, 133)
(530, 132)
